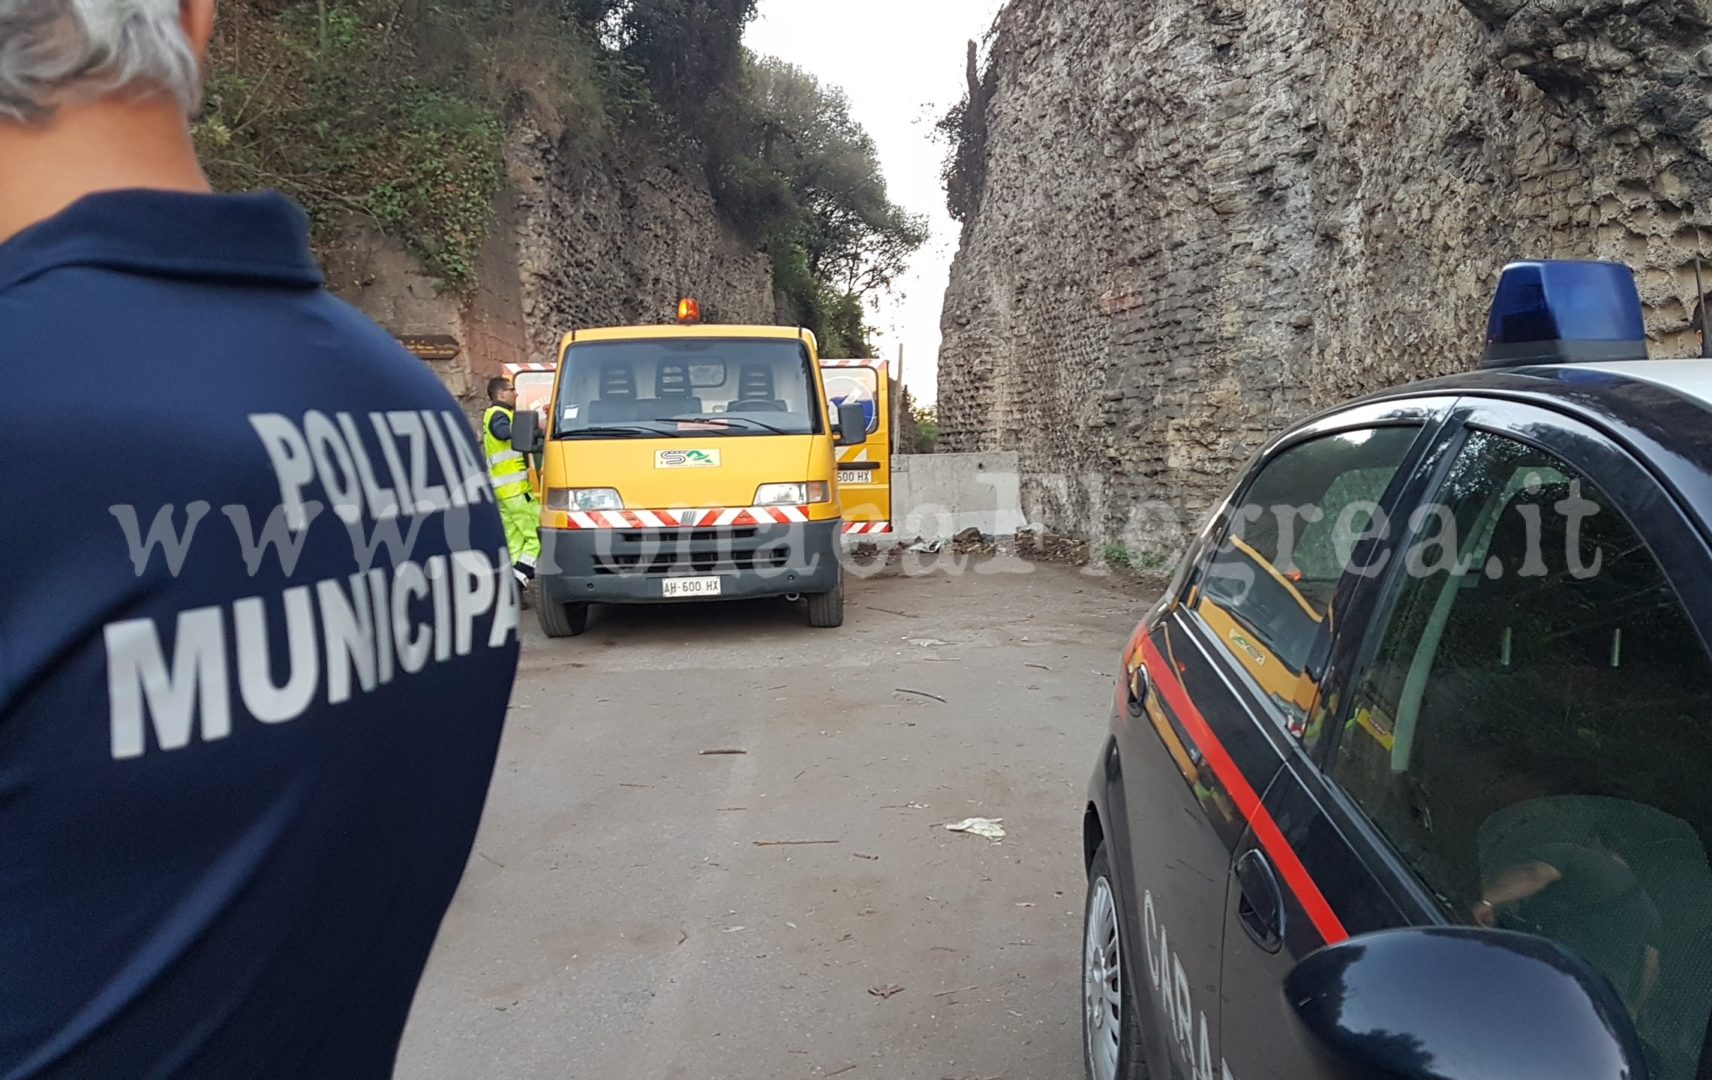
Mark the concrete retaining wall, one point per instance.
(940, 495)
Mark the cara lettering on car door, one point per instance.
(1171, 986)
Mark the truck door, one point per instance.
(534, 383)
(865, 470)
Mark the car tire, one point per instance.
(1110, 1051)
(826, 610)
(557, 620)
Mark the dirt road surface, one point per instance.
(621, 918)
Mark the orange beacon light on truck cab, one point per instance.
(689, 311)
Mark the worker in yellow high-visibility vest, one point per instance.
(508, 469)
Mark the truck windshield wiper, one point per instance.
(762, 424)
(726, 419)
(630, 431)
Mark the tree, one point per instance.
(795, 168)
(856, 239)
(926, 421)
(964, 129)
(690, 51)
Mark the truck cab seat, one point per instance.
(673, 392)
(617, 403)
(755, 391)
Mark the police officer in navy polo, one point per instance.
(257, 615)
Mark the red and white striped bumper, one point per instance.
(863, 528)
(682, 519)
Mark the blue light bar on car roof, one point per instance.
(1565, 313)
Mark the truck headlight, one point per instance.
(801, 494)
(567, 499)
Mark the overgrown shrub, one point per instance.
(328, 102)
(964, 129)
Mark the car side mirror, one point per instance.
(526, 435)
(1460, 1003)
(852, 424)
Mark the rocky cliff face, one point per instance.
(620, 240)
(578, 240)
(1199, 220)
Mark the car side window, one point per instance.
(1533, 733)
(1266, 590)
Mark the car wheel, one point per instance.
(1111, 1030)
(557, 620)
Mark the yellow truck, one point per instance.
(689, 462)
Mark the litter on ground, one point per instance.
(991, 828)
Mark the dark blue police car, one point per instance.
(1410, 771)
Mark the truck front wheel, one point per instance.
(557, 620)
(826, 610)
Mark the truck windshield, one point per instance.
(662, 388)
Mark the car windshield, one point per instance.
(663, 388)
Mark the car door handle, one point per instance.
(1135, 692)
(1260, 903)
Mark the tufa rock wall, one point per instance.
(1196, 221)
(578, 240)
(620, 238)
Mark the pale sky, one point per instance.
(901, 63)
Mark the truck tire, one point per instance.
(558, 620)
(826, 610)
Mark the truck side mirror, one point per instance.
(526, 435)
(1460, 1003)
(852, 424)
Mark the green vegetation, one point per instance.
(809, 176)
(925, 419)
(964, 130)
(396, 111)
(1127, 559)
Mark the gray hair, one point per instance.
(54, 52)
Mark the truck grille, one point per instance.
(678, 536)
(675, 563)
(662, 552)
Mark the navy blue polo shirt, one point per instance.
(257, 634)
